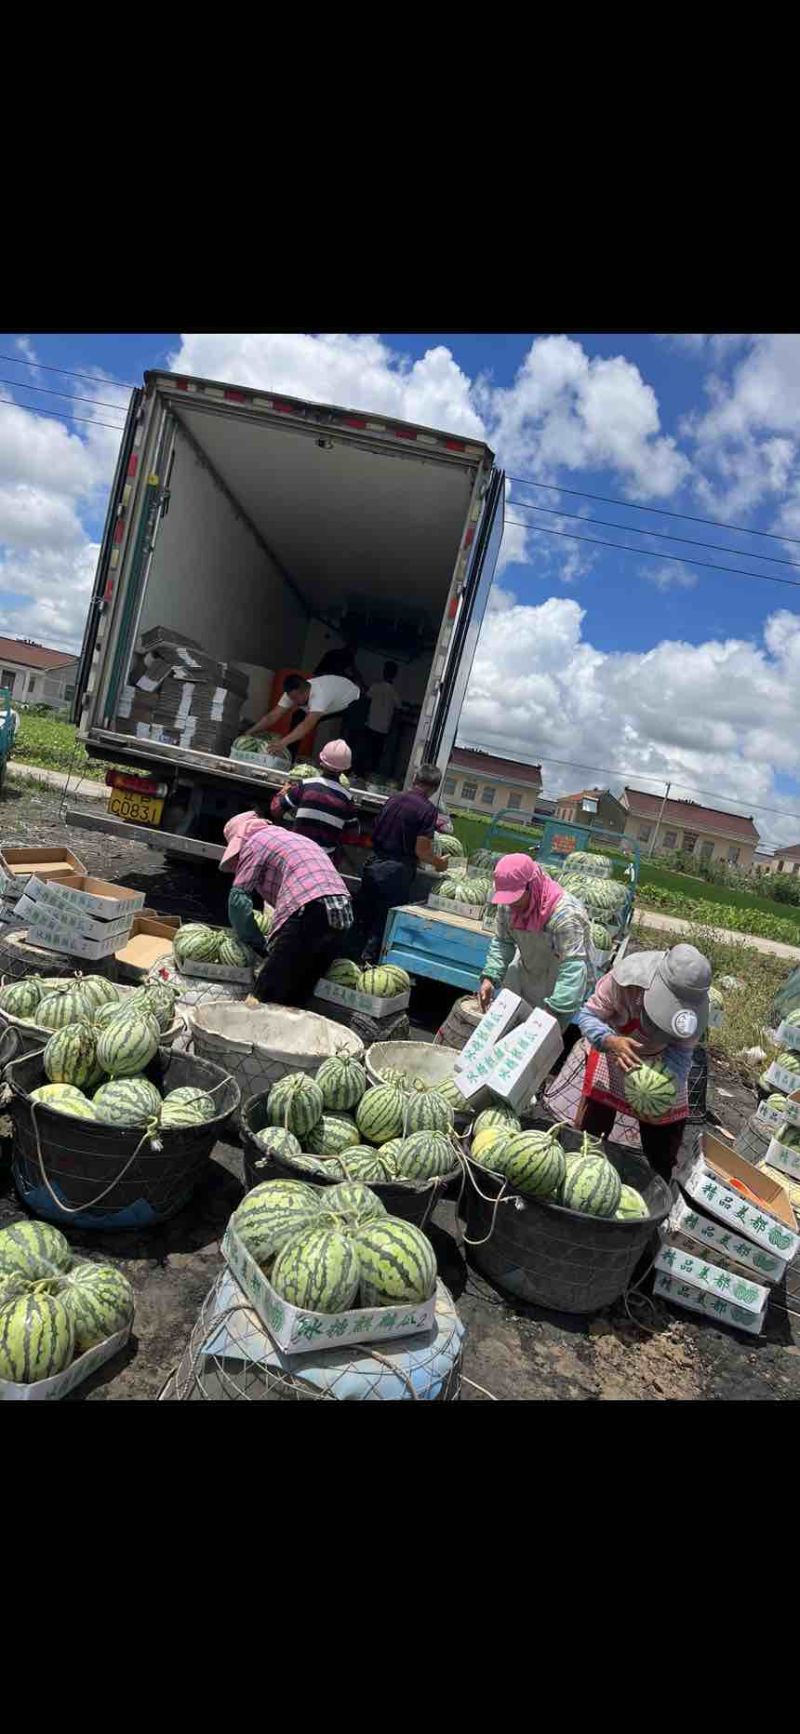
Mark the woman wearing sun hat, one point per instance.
(540, 947)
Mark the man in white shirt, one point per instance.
(326, 695)
(383, 702)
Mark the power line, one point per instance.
(69, 371)
(102, 403)
(28, 409)
(663, 535)
(654, 554)
(663, 511)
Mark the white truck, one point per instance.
(269, 530)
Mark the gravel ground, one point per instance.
(513, 1351)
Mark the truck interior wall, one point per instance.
(412, 677)
(211, 576)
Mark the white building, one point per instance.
(35, 675)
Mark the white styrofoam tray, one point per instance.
(363, 1002)
(51, 1389)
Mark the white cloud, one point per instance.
(666, 576)
(716, 716)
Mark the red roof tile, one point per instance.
(486, 765)
(688, 813)
(33, 655)
(790, 853)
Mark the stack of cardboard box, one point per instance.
(81, 916)
(179, 695)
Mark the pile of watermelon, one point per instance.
(472, 888)
(601, 898)
(381, 981)
(336, 1127)
(51, 1308)
(447, 844)
(197, 943)
(330, 1251)
(535, 1163)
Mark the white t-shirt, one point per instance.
(383, 704)
(329, 693)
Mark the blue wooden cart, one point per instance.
(8, 729)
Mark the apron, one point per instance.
(534, 968)
(604, 1081)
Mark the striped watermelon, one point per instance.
(631, 1207)
(332, 1134)
(593, 1186)
(394, 1075)
(231, 952)
(127, 1044)
(99, 1300)
(651, 1090)
(33, 1250)
(448, 844)
(264, 918)
(426, 1112)
(65, 1099)
(534, 1162)
(396, 1260)
(344, 971)
(158, 998)
(11, 1286)
(176, 1116)
(21, 998)
(342, 1082)
(103, 1015)
(295, 1102)
(278, 1142)
(377, 982)
(274, 1211)
(98, 990)
(66, 1005)
(500, 1116)
(424, 1156)
(448, 1088)
(56, 1093)
(37, 1337)
(490, 1145)
(789, 1060)
(379, 1115)
(354, 1202)
(318, 1270)
(399, 978)
(127, 1102)
(70, 1056)
(204, 1105)
(196, 942)
(367, 1165)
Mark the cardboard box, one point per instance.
(711, 1279)
(788, 1035)
(303, 1333)
(51, 1389)
(724, 1243)
(769, 1119)
(53, 938)
(781, 1078)
(17, 865)
(792, 1110)
(452, 906)
(714, 1307)
(707, 1178)
(70, 919)
(784, 1157)
(505, 1012)
(148, 940)
(98, 897)
(217, 971)
(333, 992)
(522, 1060)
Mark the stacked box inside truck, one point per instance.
(179, 695)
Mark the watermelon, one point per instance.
(302, 771)
(447, 888)
(793, 1017)
(33, 1250)
(11, 1286)
(396, 1261)
(103, 1015)
(296, 1102)
(263, 919)
(278, 1142)
(379, 1115)
(425, 1156)
(230, 951)
(344, 971)
(98, 990)
(631, 1207)
(448, 1088)
(99, 1300)
(342, 1082)
(651, 1091)
(271, 1213)
(332, 1134)
(318, 1270)
(593, 1186)
(448, 844)
(176, 1116)
(70, 1056)
(399, 978)
(534, 1162)
(203, 1104)
(127, 1102)
(715, 997)
(393, 1075)
(157, 997)
(353, 1202)
(37, 1337)
(600, 936)
(66, 1005)
(500, 1116)
(377, 982)
(490, 1145)
(20, 998)
(65, 1099)
(789, 1136)
(776, 1101)
(127, 1044)
(789, 1061)
(428, 1112)
(57, 1093)
(366, 1165)
(196, 943)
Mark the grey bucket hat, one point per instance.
(676, 984)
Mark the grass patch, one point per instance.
(775, 923)
(471, 829)
(747, 1008)
(685, 885)
(52, 743)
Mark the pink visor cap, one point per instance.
(512, 876)
(236, 832)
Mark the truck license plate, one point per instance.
(137, 809)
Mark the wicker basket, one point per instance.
(110, 1177)
(258, 1045)
(412, 1199)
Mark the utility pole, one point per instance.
(654, 838)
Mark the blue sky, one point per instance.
(632, 662)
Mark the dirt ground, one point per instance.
(513, 1352)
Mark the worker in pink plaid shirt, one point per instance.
(311, 904)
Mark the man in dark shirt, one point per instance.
(403, 835)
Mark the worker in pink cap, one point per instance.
(322, 806)
(540, 947)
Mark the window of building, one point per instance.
(449, 782)
(69, 693)
(733, 855)
(469, 791)
(487, 796)
(780, 866)
(643, 833)
(7, 678)
(515, 802)
(796, 867)
(706, 851)
(670, 839)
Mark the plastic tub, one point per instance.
(552, 1257)
(100, 1177)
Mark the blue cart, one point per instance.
(8, 729)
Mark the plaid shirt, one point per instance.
(289, 872)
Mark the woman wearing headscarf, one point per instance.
(540, 947)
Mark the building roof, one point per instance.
(33, 655)
(790, 853)
(690, 814)
(583, 794)
(487, 765)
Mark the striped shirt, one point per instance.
(321, 808)
(288, 872)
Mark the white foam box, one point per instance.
(700, 1273)
(721, 1243)
(792, 1109)
(217, 971)
(505, 1012)
(49, 1390)
(780, 1077)
(336, 994)
(19, 864)
(522, 1060)
(52, 937)
(764, 1214)
(714, 1307)
(787, 1034)
(452, 906)
(304, 1333)
(71, 920)
(784, 1157)
(96, 897)
(769, 1119)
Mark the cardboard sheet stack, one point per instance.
(179, 695)
(81, 916)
